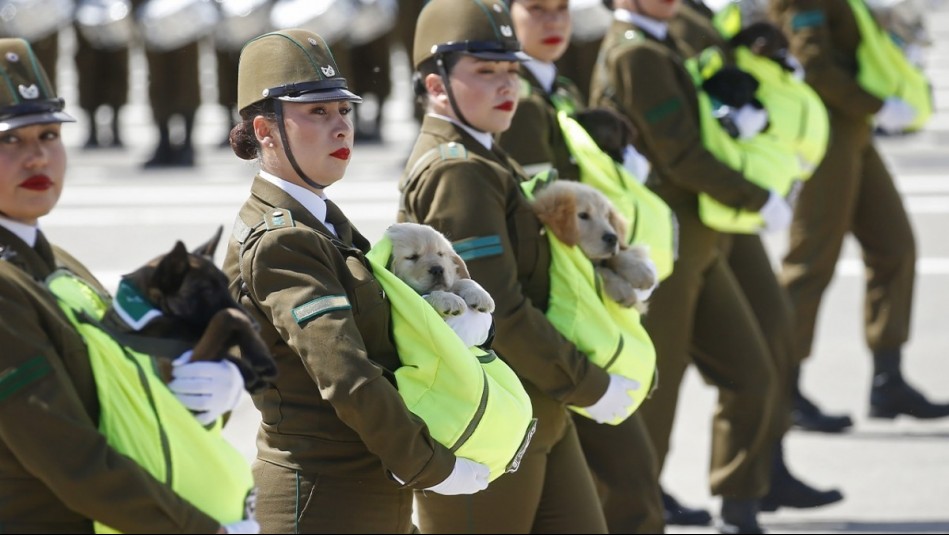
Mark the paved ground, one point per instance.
(895, 474)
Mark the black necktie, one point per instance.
(335, 216)
(45, 250)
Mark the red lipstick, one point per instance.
(342, 154)
(555, 40)
(37, 183)
(505, 106)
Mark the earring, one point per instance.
(270, 144)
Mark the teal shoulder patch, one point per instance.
(452, 151)
(661, 110)
(633, 35)
(12, 380)
(807, 19)
(278, 218)
(478, 247)
(320, 306)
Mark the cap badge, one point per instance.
(497, 7)
(12, 57)
(506, 30)
(328, 70)
(29, 91)
(311, 40)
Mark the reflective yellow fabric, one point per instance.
(142, 419)
(471, 401)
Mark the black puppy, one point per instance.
(197, 311)
(767, 40)
(611, 130)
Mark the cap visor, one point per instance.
(35, 118)
(329, 95)
(497, 56)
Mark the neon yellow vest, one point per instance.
(727, 20)
(143, 420)
(763, 159)
(471, 401)
(884, 70)
(796, 113)
(652, 221)
(611, 336)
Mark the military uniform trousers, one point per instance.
(103, 75)
(47, 52)
(173, 82)
(320, 503)
(624, 467)
(544, 495)
(751, 265)
(700, 314)
(852, 191)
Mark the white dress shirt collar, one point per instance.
(657, 28)
(482, 137)
(314, 202)
(544, 72)
(25, 232)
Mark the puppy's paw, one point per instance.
(446, 303)
(634, 265)
(474, 295)
(617, 288)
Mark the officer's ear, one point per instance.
(435, 87)
(265, 131)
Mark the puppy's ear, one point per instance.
(207, 248)
(558, 210)
(460, 266)
(171, 270)
(620, 226)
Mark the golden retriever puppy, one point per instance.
(424, 259)
(580, 215)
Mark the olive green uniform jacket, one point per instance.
(699, 314)
(333, 411)
(621, 457)
(57, 472)
(472, 195)
(850, 192)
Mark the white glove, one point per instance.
(468, 477)
(644, 295)
(243, 526)
(777, 213)
(895, 115)
(750, 120)
(615, 402)
(207, 388)
(472, 326)
(636, 163)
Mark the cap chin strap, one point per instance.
(278, 108)
(451, 96)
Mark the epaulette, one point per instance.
(633, 35)
(278, 218)
(452, 151)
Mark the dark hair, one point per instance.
(242, 138)
(430, 66)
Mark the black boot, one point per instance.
(891, 395)
(116, 138)
(809, 417)
(92, 141)
(739, 516)
(789, 491)
(680, 515)
(164, 154)
(184, 154)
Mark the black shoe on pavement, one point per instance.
(891, 396)
(739, 516)
(809, 417)
(788, 491)
(677, 514)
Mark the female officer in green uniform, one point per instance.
(641, 74)
(460, 182)
(620, 457)
(58, 473)
(337, 446)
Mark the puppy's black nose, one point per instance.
(610, 239)
(437, 271)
